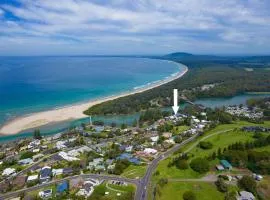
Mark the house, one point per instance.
(37, 150)
(45, 193)
(67, 171)
(62, 187)
(33, 144)
(26, 161)
(37, 157)
(67, 157)
(61, 144)
(154, 138)
(244, 195)
(24, 148)
(96, 164)
(9, 172)
(257, 177)
(226, 164)
(219, 167)
(129, 148)
(88, 188)
(57, 172)
(167, 135)
(45, 174)
(150, 151)
(19, 181)
(32, 178)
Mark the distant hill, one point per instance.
(179, 55)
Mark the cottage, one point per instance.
(26, 161)
(45, 193)
(67, 171)
(167, 135)
(57, 172)
(45, 174)
(226, 164)
(8, 172)
(32, 178)
(150, 151)
(37, 157)
(244, 195)
(219, 167)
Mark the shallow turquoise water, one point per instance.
(31, 84)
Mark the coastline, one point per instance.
(73, 112)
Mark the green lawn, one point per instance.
(113, 190)
(203, 191)
(221, 141)
(134, 171)
(179, 129)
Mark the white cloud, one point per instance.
(164, 23)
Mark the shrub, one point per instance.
(221, 185)
(182, 164)
(205, 145)
(189, 195)
(248, 183)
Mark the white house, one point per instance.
(8, 172)
(32, 178)
(57, 172)
(66, 157)
(150, 151)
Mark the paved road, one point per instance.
(141, 192)
(94, 176)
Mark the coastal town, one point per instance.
(94, 160)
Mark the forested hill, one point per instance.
(208, 76)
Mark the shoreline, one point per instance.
(75, 111)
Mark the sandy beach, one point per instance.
(38, 119)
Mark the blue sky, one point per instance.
(84, 27)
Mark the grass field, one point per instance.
(134, 171)
(179, 129)
(114, 190)
(203, 191)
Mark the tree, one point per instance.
(189, 195)
(37, 134)
(181, 164)
(123, 126)
(248, 183)
(178, 139)
(205, 145)
(221, 185)
(200, 165)
(230, 195)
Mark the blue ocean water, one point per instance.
(32, 84)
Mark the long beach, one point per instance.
(38, 119)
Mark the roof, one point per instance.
(32, 177)
(226, 164)
(62, 187)
(244, 195)
(45, 172)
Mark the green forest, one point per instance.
(228, 75)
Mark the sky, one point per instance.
(138, 27)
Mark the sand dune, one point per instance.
(35, 120)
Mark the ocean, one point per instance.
(33, 84)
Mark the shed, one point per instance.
(226, 164)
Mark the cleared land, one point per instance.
(175, 191)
